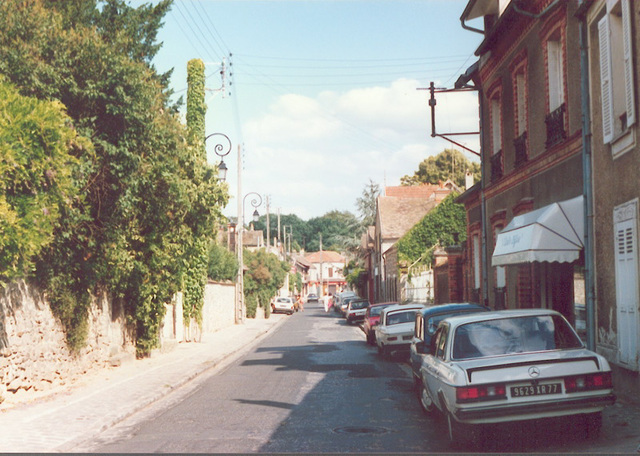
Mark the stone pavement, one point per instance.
(105, 397)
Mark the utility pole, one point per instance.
(239, 230)
(321, 268)
(268, 227)
(279, 228)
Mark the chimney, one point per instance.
(468, 180)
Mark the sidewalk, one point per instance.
(108, 396)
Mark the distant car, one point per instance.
(356, 310)
(312, 297)
(344, 303)
(372, 318)
(395, 331)
(337, 301)
(282, 304)
(513, 365)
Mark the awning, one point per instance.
(552, 233)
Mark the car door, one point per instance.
(417, 353)
(434, 364)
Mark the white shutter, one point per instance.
(627, 291)
(605, 79)
(628, 62)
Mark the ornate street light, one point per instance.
(256, 201)
(218, 149)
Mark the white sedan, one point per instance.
(512, 365)
(282, 304)
(395, 331)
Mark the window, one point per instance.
(496, 127)
(476, 262)
(521, 103)
(618, 105)
(555, 74)
(495, 117)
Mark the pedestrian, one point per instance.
(301, 303)
(329, 301)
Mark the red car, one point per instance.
(372, 318)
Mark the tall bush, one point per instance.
(265, 276)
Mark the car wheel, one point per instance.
(593, 425)
(426, 402)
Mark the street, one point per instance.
(314, 385)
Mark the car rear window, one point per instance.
(513, 335)
(359, 304)
(401, 317)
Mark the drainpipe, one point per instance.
(589, 279)
(486, 259)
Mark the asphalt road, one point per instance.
(315, 386)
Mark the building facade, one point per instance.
(527, 78)
(611, 28)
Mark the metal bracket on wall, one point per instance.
(432, 103)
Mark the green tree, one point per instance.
(223, 264)
(449, 164)
(265, 276)
(149, 195)
(444, 225)
(367, 203)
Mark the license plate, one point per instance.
(535, 390)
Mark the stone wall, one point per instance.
(34, 357)
(33, 352)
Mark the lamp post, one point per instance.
(218, 149)
(256, 201)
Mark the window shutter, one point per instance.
(628, 62)
(605, 79)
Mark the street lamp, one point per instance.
(218, 149)
(256, 201)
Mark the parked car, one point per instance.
(312, 297)
(427, 321)
(282, 304)
(395, 331)
(337, 302)
(344, 303)
(513, 365)
(372, 318)
(356, 310)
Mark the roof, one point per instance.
(398, 215)
(253, 238)
(325, 256)
(440, 190)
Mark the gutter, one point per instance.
(589, 264)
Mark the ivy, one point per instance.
(444, 225)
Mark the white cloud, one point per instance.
(314, 155)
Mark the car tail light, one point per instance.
(481, 393)
(601, 380)
(392, 338)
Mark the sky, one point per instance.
(322, 97)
